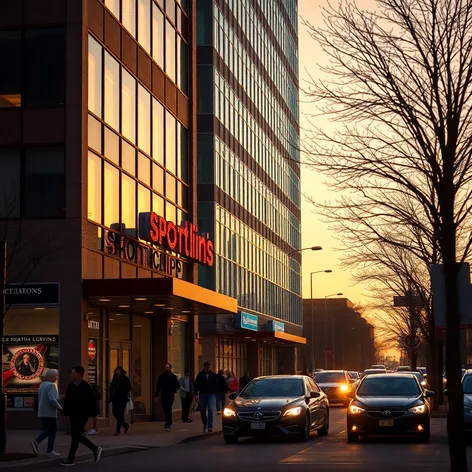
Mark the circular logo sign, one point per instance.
(92, 349)
(27, 364)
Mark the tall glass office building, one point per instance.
(249, 180)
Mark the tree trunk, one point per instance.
(414, 359)
(455, 418)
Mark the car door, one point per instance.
(316, 412)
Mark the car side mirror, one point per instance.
(430, 393)
(232, 396)
(315, 394)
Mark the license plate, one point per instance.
(257, 425)
(385, 422)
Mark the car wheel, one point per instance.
(306, 430)
(230, 439)
(324, 430)
(352, 438)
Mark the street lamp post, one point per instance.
(326, 319)
(312, 248)
(327, 271)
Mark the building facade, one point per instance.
(249, 180)
(338, 337)
(99, 205)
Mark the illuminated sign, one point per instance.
(247, 321)
(183, 240)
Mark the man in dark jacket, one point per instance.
(79, 406)
(167, 386)
(244, 380)
(206, 386)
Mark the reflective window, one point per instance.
(111, 196)
(158, 179)
(114, 7)
(170, 10)
(128, 157)
(10, 69)
(94, 77)
(170, 188)
(112, 146)
(171, 212)
(94, 134)
(158, 204)
(144, 119)
(171, 123)
(144, 199)
(112, 92)
(44, 185)
(182, 152)
(10, 183)
(157, 131)
(129, 16)
(158, 35)
(45, 66)
(144, 25)
(128, 205)
(144, 169)
(170, 50)
(182, 65)
(94, 188)
(128, 106)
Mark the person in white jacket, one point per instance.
(48, 406)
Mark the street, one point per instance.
(325, 454)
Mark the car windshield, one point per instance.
(326, 377)
(274, 388)
(389, 386)
(467, 384)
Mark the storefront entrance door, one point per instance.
(119, 354)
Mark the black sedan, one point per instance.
(335, 383)
(389, 404)
(282, 405)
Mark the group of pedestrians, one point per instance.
(82, 402)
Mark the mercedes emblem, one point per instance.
(258, 415)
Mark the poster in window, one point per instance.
(92, 361)
(26, 359)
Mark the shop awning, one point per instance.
(170, 295)
(272, 336)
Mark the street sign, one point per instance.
(412, 341)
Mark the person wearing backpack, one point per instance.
(47, 407)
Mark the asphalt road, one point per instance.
(331, 453)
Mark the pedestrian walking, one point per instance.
(79, 406)
(206, 386)
(221, 392)
(48, 406)
(186, 395)
(233, 383)
(244, 380)
(98, 397)
(167, 386)
(119, 395)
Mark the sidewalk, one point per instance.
(140, 437)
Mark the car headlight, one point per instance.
(343, 388)
(228, 412)
(355, 410)
(293, 411)
(418, 410)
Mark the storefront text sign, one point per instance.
(247, 321)
(276, 326)
(32, 294)
(183, 240)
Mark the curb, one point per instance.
(199, 437)
(21, 466)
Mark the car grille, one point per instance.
(383, 414)
(266, 415)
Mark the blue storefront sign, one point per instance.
(247, 321)
(276, 326)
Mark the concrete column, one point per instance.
(209, 346)
(254, 359)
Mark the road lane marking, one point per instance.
(342, 432)
(305, 450)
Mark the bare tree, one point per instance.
(400, 87)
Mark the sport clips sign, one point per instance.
(182, 240)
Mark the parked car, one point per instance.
(335, 383)
(279, 405)
(389, 404)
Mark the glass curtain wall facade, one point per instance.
(248, 152)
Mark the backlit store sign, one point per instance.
(183, 240)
